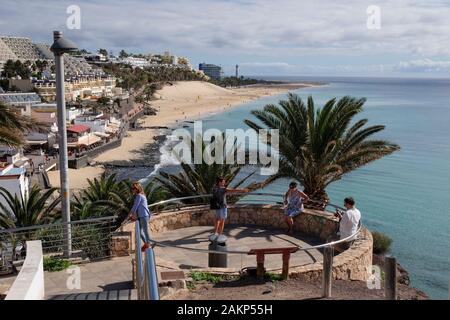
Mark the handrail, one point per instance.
(138, 262)
(327, 254)
(252, 194)
(328, 244)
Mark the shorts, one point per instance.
(221, 213)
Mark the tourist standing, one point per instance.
(293, 204)
(140, 212)
(348, 222)
(219, 204)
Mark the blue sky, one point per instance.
(321, 37)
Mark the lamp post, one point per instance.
(59, 47)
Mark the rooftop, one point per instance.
(12, 172)
(78, 128)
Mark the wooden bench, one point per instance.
(260, 253)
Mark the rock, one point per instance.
(402, 273)
(121, 244)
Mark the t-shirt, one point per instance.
(219, 195)
(349, 222)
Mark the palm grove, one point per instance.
(317, 146)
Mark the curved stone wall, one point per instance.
(353, 264)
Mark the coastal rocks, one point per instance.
(404, 289)
(149, 156)
(402, 273)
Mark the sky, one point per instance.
(264, 37)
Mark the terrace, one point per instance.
(180, 235)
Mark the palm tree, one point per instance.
(107, 196)
(10, 127)
(198, 179)
(28, 210)
(31, 209)
(97, 200)
(319, 146)
(13, 125)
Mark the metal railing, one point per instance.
(91, 239)
(139, 269)
(150, 281)
(145, 268)
(179, 202)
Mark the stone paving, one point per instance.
(108, 279)
(102, 280)
(239, 238)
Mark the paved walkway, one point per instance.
(239, 238)
(112, 279)
(102, 280)
(108, 279)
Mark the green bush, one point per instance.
(381, 243)
(52, 264)
(205, 277)
(273, 277)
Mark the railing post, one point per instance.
(327, 271)
(390, 278)
(145, 282)
(151, 275)
(138, 253)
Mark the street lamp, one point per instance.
(59, 47)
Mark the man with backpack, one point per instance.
(219, 204)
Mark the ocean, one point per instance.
(403, 195)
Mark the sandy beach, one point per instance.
(77, 178)
(182, 101)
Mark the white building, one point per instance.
(136, 62)
(14, 180)
(13, 173)
(96, 124)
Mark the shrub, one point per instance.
(52, 264)
(273, 277)
(205, 277)
(381, 243)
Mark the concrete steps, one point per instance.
(127, 294)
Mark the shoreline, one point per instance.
(177, 103)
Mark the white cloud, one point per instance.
(245, 30)
(423, 65)
(262, 27)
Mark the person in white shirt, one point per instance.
(348, 222)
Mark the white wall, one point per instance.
(15, 185)
(71, 114)
(95, 125)
(29, 284)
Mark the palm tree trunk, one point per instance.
(319, 199)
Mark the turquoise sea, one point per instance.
(406, 194)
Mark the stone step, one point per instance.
(127, 294)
